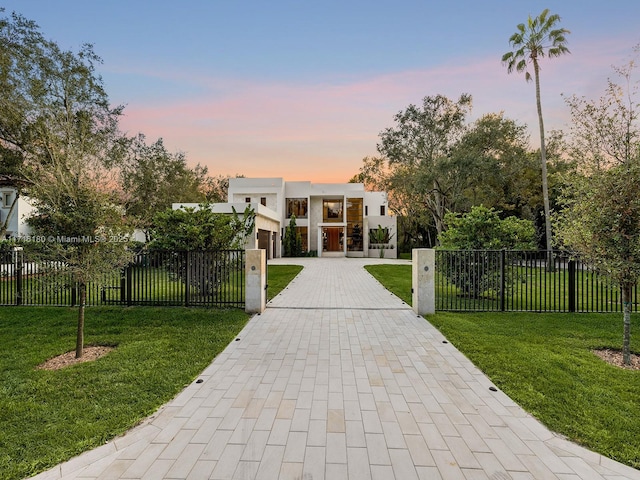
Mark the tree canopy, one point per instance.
(417, 151)
(201, 229)
(153, 178)
(486, 162)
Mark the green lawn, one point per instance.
(545, 363)
(50, 416)
(279, 278)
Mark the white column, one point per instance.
(255, 281)
(423, 281)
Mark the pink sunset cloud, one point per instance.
(322, 131)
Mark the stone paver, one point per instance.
(339, 379)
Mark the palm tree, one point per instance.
(533, 40)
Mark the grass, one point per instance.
(279, 278)
(545, 363)
(50, 416)
(396, 279)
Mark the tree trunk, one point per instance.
(438, 208)
(80, 334)
(543, 163)
(626, 335)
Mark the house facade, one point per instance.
(14, 209)
(333, 219)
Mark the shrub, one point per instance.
(481, 230)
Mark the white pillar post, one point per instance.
(423, 289)
(255, 281)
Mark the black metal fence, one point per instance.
(503, 280)
(161, 278)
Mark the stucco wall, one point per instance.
(17, 223)
(315, 217)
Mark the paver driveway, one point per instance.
(339, 379)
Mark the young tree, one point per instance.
(601, 216)
(538, 38)
(86, 237)
(292, 239)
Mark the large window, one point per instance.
(354, 224)
(297, 207)
(304, 237)
(332, 210)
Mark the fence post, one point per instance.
(572, 285)
(18, 264)
(503, 280)
(187, 281)
(128, 284)
(255, 281)
(423, 276)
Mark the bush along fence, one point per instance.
(160, 278)
(536, 281)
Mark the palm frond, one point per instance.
(538, 38)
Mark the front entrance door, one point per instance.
(332, 239)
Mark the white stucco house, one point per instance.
(333, 219)
(17, 225)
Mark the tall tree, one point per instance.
(153, 178)
(601, 216)
(57, 121)
(534, 40)
(216, 188)
(418, 149)
(487, 162)
(492, 166)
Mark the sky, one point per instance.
(302, 89)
